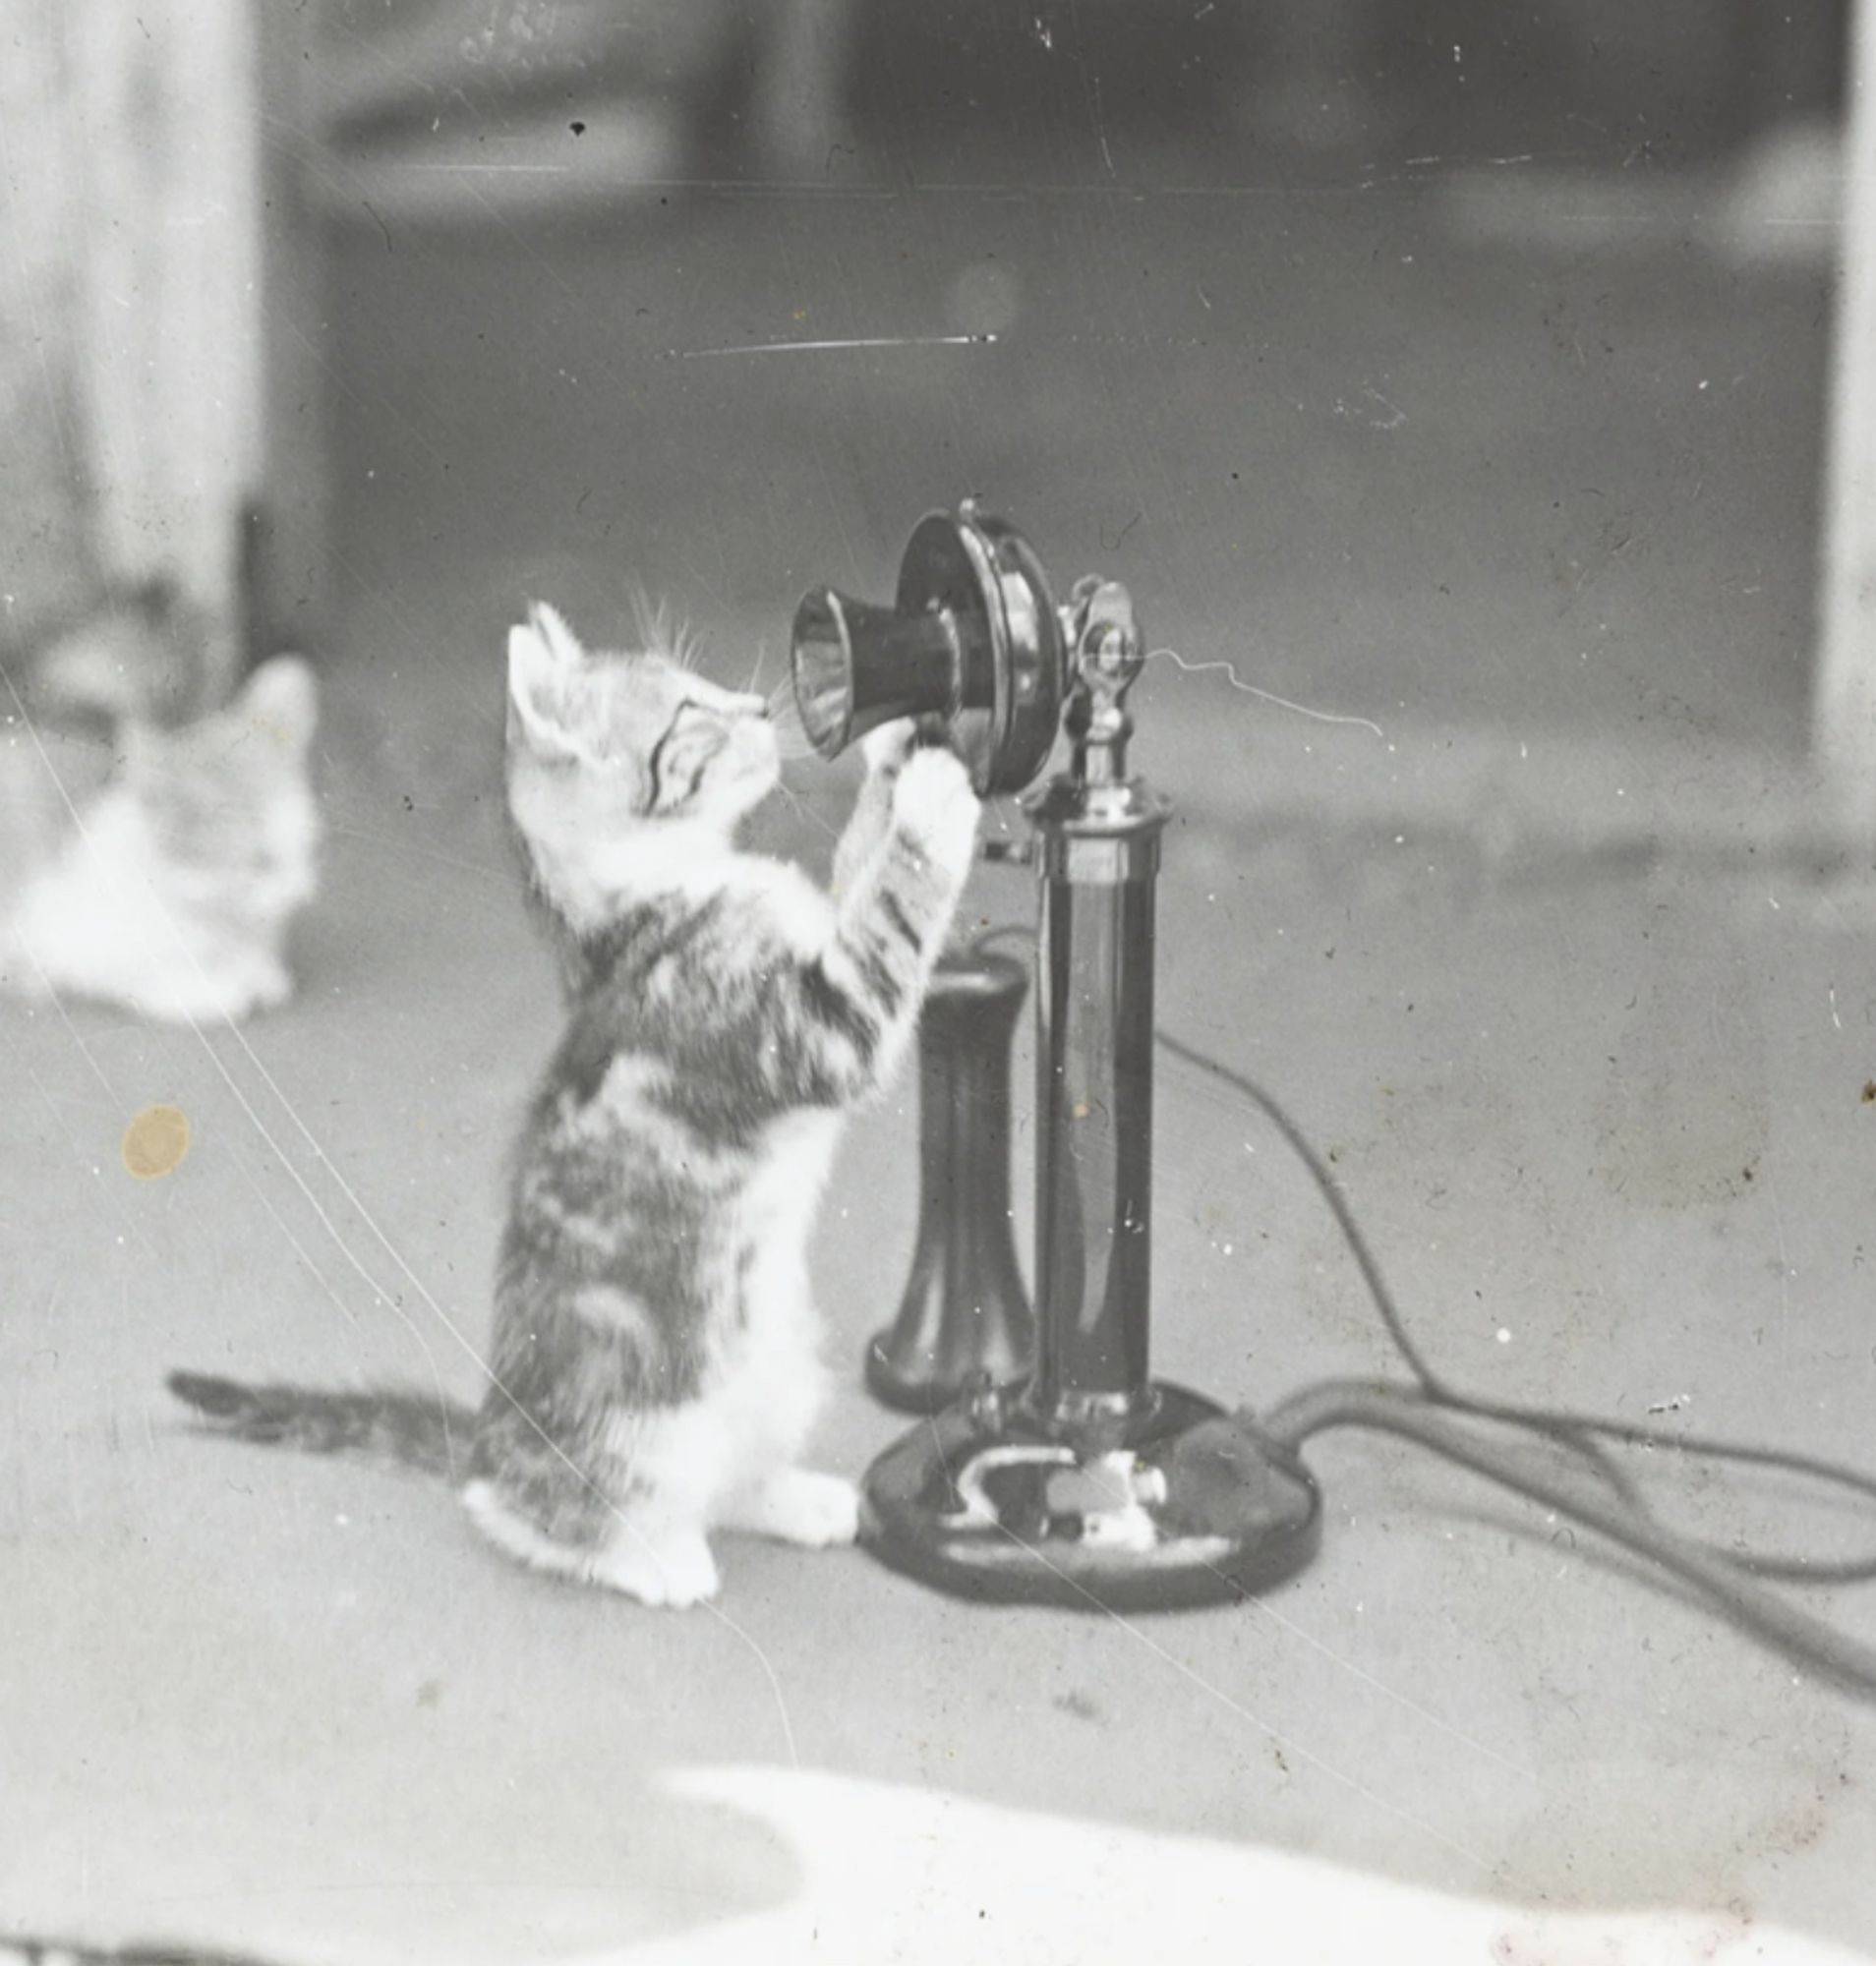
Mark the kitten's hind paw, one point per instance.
(801, 1506)
(661, 1565)
(673, 1570)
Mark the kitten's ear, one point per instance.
(556, 637)
(281, 699)
(536, 683)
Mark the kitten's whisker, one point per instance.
(785, 715)
(792, 740)
(807, 811)
(647, 618)
(659, 631)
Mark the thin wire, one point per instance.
(1837, 1654)
(1434, 1415)
(1560, 1427)
(1237, 682)
(1569, 1432)
(1566, 1427)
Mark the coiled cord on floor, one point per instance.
(1435, 1415)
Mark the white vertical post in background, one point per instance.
(47, 568)
(803, 74)
(187, 351)
(1845, 707)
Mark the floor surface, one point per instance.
(1604, 1117)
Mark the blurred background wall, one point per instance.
(1596, 79)
(266, 269)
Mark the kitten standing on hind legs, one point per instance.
(654, 1373)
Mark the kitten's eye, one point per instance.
(692, 739)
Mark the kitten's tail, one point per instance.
(429, 1434)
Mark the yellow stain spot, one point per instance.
(156, 1141)
(1081, 1109)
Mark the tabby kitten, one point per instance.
(155, 853)
(654, 1371)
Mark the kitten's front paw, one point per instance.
(934, 801)
(799, 1505)
(674, 1569)
(887, 747)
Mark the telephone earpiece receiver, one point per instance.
(973, 648)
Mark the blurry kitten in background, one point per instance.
(152, 851)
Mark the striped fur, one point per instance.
(654, 1366)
